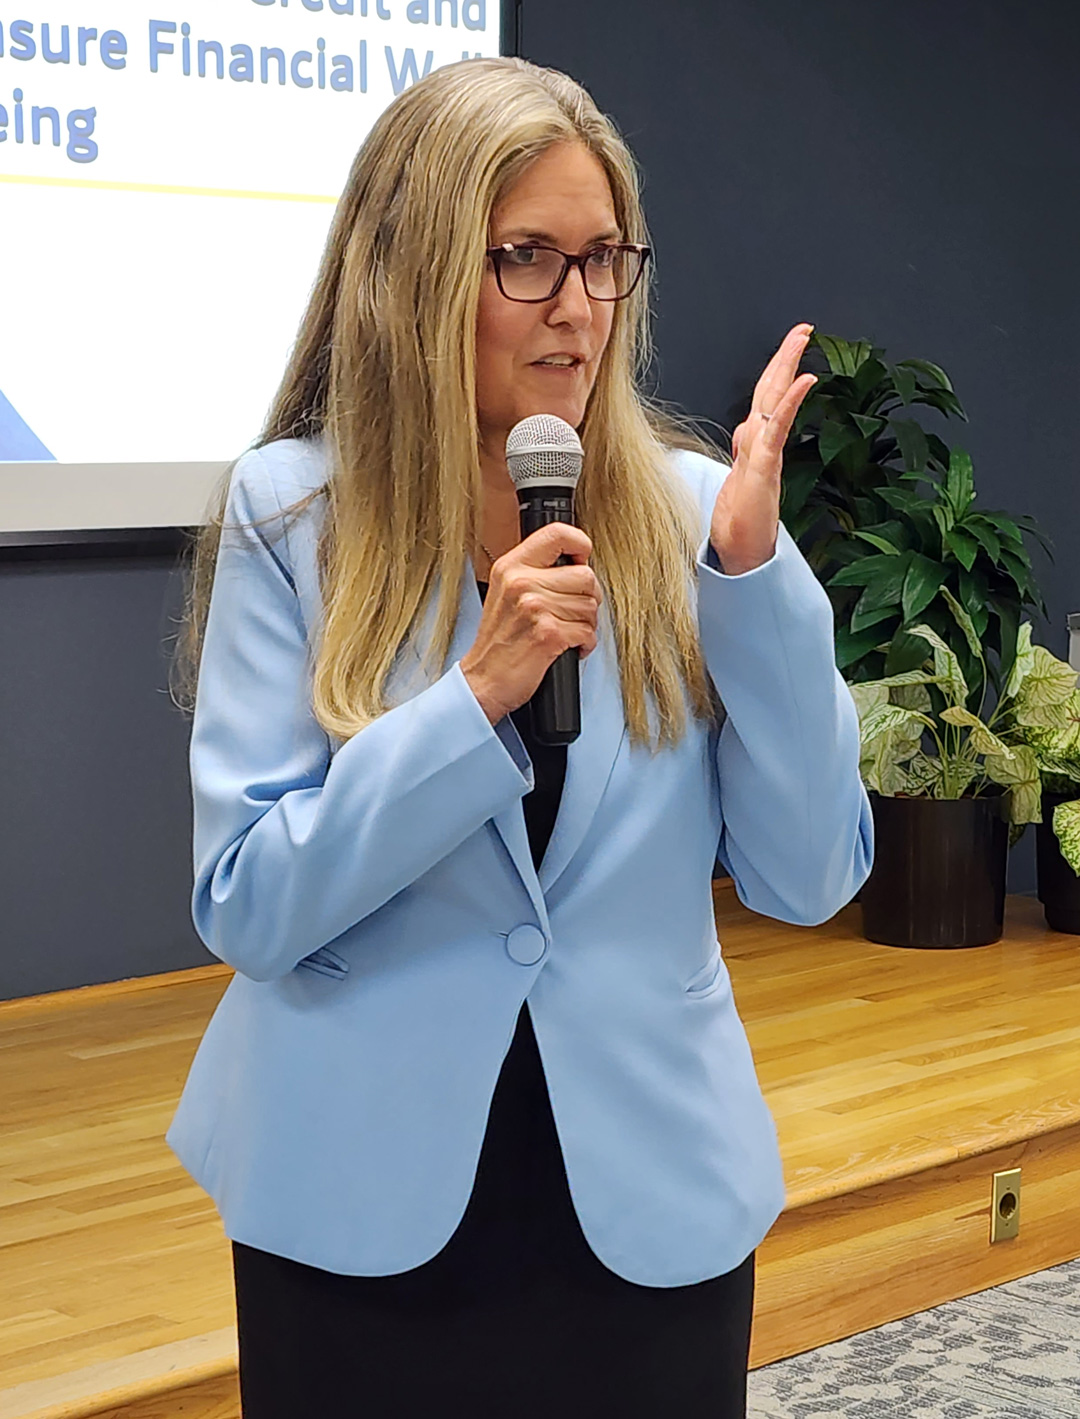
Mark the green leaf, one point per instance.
(862, 618)
(868, 571)
(932, 372)
(1019, 569)
(943, 517)
(1048, 682)
(1033, 529)
(1055, 718)
(1051, 767)
(983, 739)
(1067, 832)
(894, 530)
(1007, 530)
(983, 532)
(851, 647)
(927, 532)
(924, 774)
(865, 513)
(887, 719)
(868, 695)
(973, 595)
(881, 543)
(800, 525)
(882, 771)
(843, 356)
(1008, 613)
(889, 735)
(939, 453)
(908, 691)
(960, 483)
(904, 379)
(799, 482)
(921, 585)
(905, 652)
(912, 441)
(914, 697)
(834, 438)
(1023, 662)
(888, 586)
(962, 774)
(1061, 740)
(881, 774)
(963, 547)
(946, 664)
(942, 400)
(868, 386)
(920, 476)
(963, 620)
(1019, 774)
(868, 425)
(908, 677)
(903, 499)
(841, 548)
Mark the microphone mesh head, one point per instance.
(544, 449)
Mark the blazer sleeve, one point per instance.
(294, 844)
(797, 833)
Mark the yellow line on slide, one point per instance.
(164, 187)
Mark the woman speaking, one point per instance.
(477, 1109)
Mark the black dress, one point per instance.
(516, 1316)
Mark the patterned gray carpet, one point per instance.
(1009, 1353)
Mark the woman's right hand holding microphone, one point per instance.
(533, 612)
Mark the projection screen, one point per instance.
(167, 180)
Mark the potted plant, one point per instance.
(886, 515)
(946, 783)
(1041, 716)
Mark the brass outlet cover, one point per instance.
(1005, 1206)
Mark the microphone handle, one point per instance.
(555, 707)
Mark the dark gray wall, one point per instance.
(96, 844)
(907, 174)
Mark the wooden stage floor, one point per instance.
(900, 1081)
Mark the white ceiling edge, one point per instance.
(64, 497)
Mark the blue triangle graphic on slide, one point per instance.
(18, 442)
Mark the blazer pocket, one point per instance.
(705, 981)
(326, 962)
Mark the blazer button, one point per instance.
(526, 945)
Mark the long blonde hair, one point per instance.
(384, 371)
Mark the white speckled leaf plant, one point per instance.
(919, 738)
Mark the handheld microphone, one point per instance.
(544, 456)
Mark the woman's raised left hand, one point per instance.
(746, 515)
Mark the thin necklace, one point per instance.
(488, 555)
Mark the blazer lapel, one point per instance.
(510, 823)
(589, 759)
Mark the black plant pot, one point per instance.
(939, 872)
(1059, 886)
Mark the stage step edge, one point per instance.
(112, 1385)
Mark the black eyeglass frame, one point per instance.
(496, 253)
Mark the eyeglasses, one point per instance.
(537, 273)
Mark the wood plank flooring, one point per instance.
(885, 1069)
(900, 1082)
(106, 1246)
(880, 1062)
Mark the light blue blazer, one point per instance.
(379, 904)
